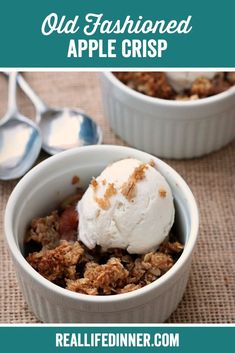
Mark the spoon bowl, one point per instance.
(20, 144)
(20, 139)
(66, 128)
(62, 128)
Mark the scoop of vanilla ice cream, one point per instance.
(183, 80)
(129, 206)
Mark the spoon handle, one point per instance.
(12, 106)
(37, 101)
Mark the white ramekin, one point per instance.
(165, 128)
(41, 189)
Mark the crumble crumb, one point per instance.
(139, 172)
(202, 87)
(110, 191)
(152, 163)
(162, 192)
(45, 231)
(81, 285)
(94, 183)
(103, 203)
(172, 247)
(129, 288)
(128, 189)
(75, 180)
(108, 276)
(158, 261)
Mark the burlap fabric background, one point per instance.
(210, 295)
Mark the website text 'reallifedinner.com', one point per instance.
(104, 339)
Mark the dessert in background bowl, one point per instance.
(178, 85)
(151, 299)
(171, 114)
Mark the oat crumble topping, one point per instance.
(155, 84)
(45, 231)
(52, 249)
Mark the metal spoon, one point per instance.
(20, 139)
(62, 128)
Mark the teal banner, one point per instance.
(117, 338)
(129, 34)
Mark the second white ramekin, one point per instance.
(165, 128)
(41, 189)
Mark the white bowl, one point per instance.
(41, 189)
(166, 128)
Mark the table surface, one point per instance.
(210, 294)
